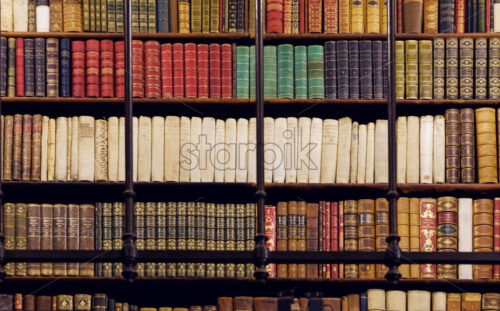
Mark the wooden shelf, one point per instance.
(119, 36)
(420, 36)
(448, 102)
(115, 100)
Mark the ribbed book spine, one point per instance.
(78, 68)
(274, 16)
(281, 236)
(487, 171)
(17, 147)
(135, 16)
(400, 69)
(215, 70)
(166, 71)
(65, 66)
(447, 16)
(202, 55)
(481, 16)
(493, 68)
(52, 55)
(21, 233)
(381, 232)
(33, 237)
(232, 12)
(107, 73)
(373, 17)
(452, 148)
(60, 235)
(481, 68)
(138, 68)
(411, 64)
(353, 71)
(467, 150)
(29, 67)
(496, 235)
(330, 70)
(152, 69)
(366, 69)
(196, 15)
(119, 69)
(287, 16)
(300, 67)
(40, 68)
(143, 16)
(242, 72)
(184, 15)
(350, 219)
(482, 235)
(270, 71)
(20, 67)
(285, 71)
(315, 72)
(26, 148)
(357, 16)
(111, 15)
(296, 14)
(56, 15)
(431, 9)
(343, 69)
(460, 16)
(107, 236)
(92, 68)
(118, 15)
(447, 234)
(72, 11)
(11, 67)
(344, 16)
(241, 17)
(439, 68)
(162, 9)
(466, 68)
(226, 71)
(151, 16)
(366, 235)
(452, 68)
(3, 67)
(104, 14)
(378, 70)
(425, 69)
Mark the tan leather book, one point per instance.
(414, 234)
(74, 146)
(62, 149)
(482, 210)
(86, 236)
(73, 237)
(113, 134)
(490, 301)
(471, 301)
(144, 149)
(401, 137)
(157, 148)
(447, 234)
(361, 175)
(241, 150)
(220, 134)
(101, 150)
(46, 243)
(56, 15)
(370, 153)
(438, 150)
(329, 145)
(35, 146)
(315, 150)
(353, 172)
(33, 237)
(404, 232)
(413, 150)
(343, 151)
(281, 236)
(375, 299)
(345, 303)
(381, 232)
(225, 304)
(366, 235)
(303, 148)
(20, 236)
(453, 302)
(486, 142)
(291, 151)
(243, 303)
(350, 235)
(172, 137)
(230, 140)
(395, 300)
(301, 235)
(207, 157)
(381, 152)
(352, 302)
(293, 235)
(265, 303)
(86, 131)
(438, 301)
(280, 126)
(419, 300)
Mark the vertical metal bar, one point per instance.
(261, 253)
(393, 252)
(129, 249)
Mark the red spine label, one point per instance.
(107, 71)
(152, 69)
(270, 229)
(119, 69)
(428, 235)
(20, 67)
(92, 62)
(178, 56)
(137, 68)
(78, 68)
(203, 71)
(166, 70)
(226, 71)
(190, 75)
(215, 71)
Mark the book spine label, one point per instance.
(166, 71)
(428, 224)
(447, 234)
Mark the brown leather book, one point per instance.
(471, 301)
(83, 302)
(265, 303)
(404, 232)
(331, 304)
(34, 225)
(292, 236)
(59, 235)
(345, 303)
(482, 211)
(353, 302)
(350, 235)
(195, 308)
(56, 15)
(281, 236)
(6, 302)
(447, 234)
(18, 302)
(304, 304)
(486, 138)
(65, 302)
(414, 234)
(73, 235)
(225, 304)
(29, 302)
(36, 137)
(43, 303)
(312, 236)
(413, 15)
(366, 235)
(243, 303)
(381, 232)
(301, 235)
(21, 233)
(86, 240)
(17, 147)
(174, 26)
(467, 152)
(491, 301)
(47, 235)
(8, 141)
(452, 145)
(26, 148)
(453, 302)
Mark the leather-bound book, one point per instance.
(334, 237)
(490, 301)
(33, 236)
(285, 71)
(381, 231)
(26, 147)
(152, 69)
(9, 232)
(366, 234)
(483, 234)
(178, 69)
(465, 235)
(471, 301)
(11, 67)
(374, 18)
(265, 303)
(17, 147)
(301, 233)
(250, 215)
(460, 16)
(447, 234)
(72, 11)
(200, 233)
(43, 303)
(452, 68)
(486, 145)
(452, 145)
(314, 20)
(404, 232)
(428, 226)
(357, 16)
(107, 234)
(411, 63)
(342, 69)
(86, 236)
(60, 235)
(366, 69)
(202, 55)
(3, 66)
(56, 15)
(225, 304)
(413, 15)
(20, 232)
(118, 220)
(138, 68)
(378, 70)
(29, 67)
(481, 16)
(220, 235)
(226, 71)
(400, 69)
(493, 67)
(190, 70)
(325, 272)
(92, 68)
(242, 72)
(438, 301)
(353, 69)
(27, 302)
(281, 236)
(467, 152)
(350, 219)
(215, 70)
(425, 69)
(65, 67)
(40, 67)
(8, 144)
(140, 232)
(230, 235)
(447, 16)
(401, 143)
(47, 216)
(466, 68)
(496, 235)
(78, 68)
(232, 11)
(99, 302)
(151, 12)
(19, 67)
(439, 68)
(171, 234)
(330, 70)
(104, 16)
(107, 72)
(166, 70)
(65, 302)
(98, 234)
(83, 302)
(243, 303)
(119, 69)
(480, 68)
(270, 70)
(312, 236)
(430, 22)
(143, 16)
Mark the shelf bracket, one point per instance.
(129, 256)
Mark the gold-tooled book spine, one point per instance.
(56, 15)
(73, 235)
(107, 236)
(281, 236)
(191, 236)
(183, 8)
(404, 232)
(425, 69)
(471, 301)
(366, 235)
(36, 147)
(87, 236)
(17, 147)
(439, 68)
(47, 211)
(26, 148)
(118, 229)
(350, 235)
(181, 235)
(64, 303)
(381, 232)
(201, 235)
(8, 140)
(250, 224)
(139, 227)
(34, 231)
(83, 302)
(171, 234)
(161, 236)
(490, 301)
(482, 211)
(21, 232)
(414, 234)
(220, 237)
(452, 145)
(481, 68)
(312, 236)
(9, 232)
(453, 302)
(467, 146)
(466, 53)
(72, 10)
(301, 235)
(447, 234)
(60, 235)
(486, 144)
(230, 237)
(150, 238)
(292, 236)
(400, 70)
(211, 223)
(240, 237)
(411, 62)
(452, 68)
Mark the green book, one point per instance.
(135, 16)
(252, 72)
(242, 72)
(315, 71)
(151, 16)
(111, 12)
(214, 16)
(104, 16)
(205, 20)
(119, 15)
(196, 15)
(285, 71)
(494, 69)
(143, 16)
(300, 62)
(270, 72)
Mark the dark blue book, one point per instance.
(353, 69)
(232, 15)
(162, 15)
(363, 302)
(40, 67)
(468, 16)
(29, 67)
(365, 69)
(447, 16)
(342, 69)
(65, 62)
(474, 16)
(378, 72)
(330, 70)
(3, 66)
(240, 16)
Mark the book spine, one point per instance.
(226, 71)
(171, 234)
(292, 235)
(411, 62)
(33, 236)
(190, 70)
(343, 69)
(447, 234)
(17, 147)
(92, 68)
(281, 236)
(182, 235)
(241, 17)
(232, 15)
(178, 69)
(400, 69)
(327, 211)
(202, 54)
(215, 70)
(152, 69)
(98, 234)
(60, 235)
(480, 68)
(334, 236)
(7, 146)
(20, 67)
(214, 16)
(486, 145)
(26, 147)
(300, 70)
(163, 11)
(296, 14)
(150, 235)
(184, 15)
(378, 70)
(166, 71)
(73, 236)
(220, 225)
(118, 225)
(52, 67)
(250, 229)
(119, 69)
(357, 16)
(403, 219)
(366, 69)
(196, 14)
(104, 14)
(452, 68)
(31, 16)
(65, 66)
(496, 234)
(270, 71)
(29, 67)
(312, 236)
(274, 16)
(425, 69)
(151, 16)
(135, 16)
(366, 234)
(72, 11)
(140, 232)
(78, 68)
(205, 19)
(143, 16)
(467, 152)
(447, 16)
(330, 70)
(21, 233)
(201, 234)
(413, 16)
(285, 71)
(452, 148)
(11, 67)
(466, 68)
(381, 232)
(97, 6)
(107, 72)
(439, 68)
(107, 235)
(87, 224)
(46, 242)
(3, 66)
(287, 16)
(373, 17)
(56, 15)
(494, 68)
(315, 72)
(138, 68)
(428, 225)
(353, 71)
(481, 16)
(36, 147)
(460, 16)
(482, 234)
(350, 218)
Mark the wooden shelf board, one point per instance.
(118, 36)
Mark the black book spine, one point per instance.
(240, 17)
(162, 16)
(65, 88)
(3, 67)
(330, 70)
(98, 236)
(232, 15)
(29, 67)
(40, 67)
(366, 70)
(353, 69)
(378, 74)
(385, 69)
(474, 16)
(342, 69)
(447, 16)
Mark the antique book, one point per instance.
(190, 70)
(439, 68)
(315, 71)
(381, 231)
(428, 226)
(72, 15)
(7, 16)
(419, 300)
(172, 147)
(202, 56)
(252, 160)
(447, 234)
(19, 67)
(220, 134)
(430, 16)
(342, 54)
(466, 68)
(361, 174)
(426, 148)
(280, 127)
(195, 136)
(62, 149)
(482, 210)
(27, 121)
(40, 67)
(285, 71)
(400, 69)
(230, 140)
(370, 153)
(496, 234)
(270, 230)
(101, 150)
(357, 18)
(290, 151)
(33, 235)
(312, 236)
(51, 150)
(29, 67)
(344, 147)
(112, 149)
(401, 142)
(270, 71)
(413, 15)
(121, 149)
(413, 150)
(411, 64)
(375, 299)
(493, 64)
(467, 150)
(207, 157)
(92, 77)
(481, 68)
(20, 236)
(350, 227)
(60, 235)
(438, 301)
(353, 68)
(471, 301)
(452, 72)
(425, 69)
(315, 150)
(395, 300)
(86, 152)
(73, 236)
(378, 69)
(366, 68)
(404, 232)
(183, 8)
(330, 69)
(366, 235)
(226, 71)
(438, 150)
(486, 145)
(293, 234)
(281, 236)
(303, 151)
(446, 16)
(452, 145)
(381, 154)
(353, 171)
(301, 234)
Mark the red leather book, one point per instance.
(488, 15)
(341, 236)
(460, 16)
(92, 65)
(226, 71)
(274, 16)
(334, 236)
(119, 69)
(107, 70)
(20, 67)
(166, 70)
(331, 16)
(314, 10)
(496, 235)
(399, 7)
(152, 70)
(190, 70)
(137, 68)
(178, 60)
(203, 70)
(270, 229)
(78, 68)
(302, 16)
(428, 226)
(215, 88)
(326, 237)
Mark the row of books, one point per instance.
(158, 226)
(148, 16)
(448, 16)
(450, 68)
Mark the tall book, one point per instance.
(415, 234)
(466, 68)
(431, 8)
(400, 69)
(378, 69)
(274, 16)
(366, 236)
(404, 232)
(486, 145)
(447, 16)
(314, 8)
(494, 67)
(428, 226)
(366, 69)
(411, 62)
(285, 71)
(270, 229)
(452, 68)
(482, 210)
(381, 232)
(439, 68)
(426, 146)
(467, 152)
(40, 67)
(312, 236)
(342, 69)
(350, 219)
(242, 72)
(452, 147)
(447, 234)
(425, 69)
(353, 69)
(480, 68)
